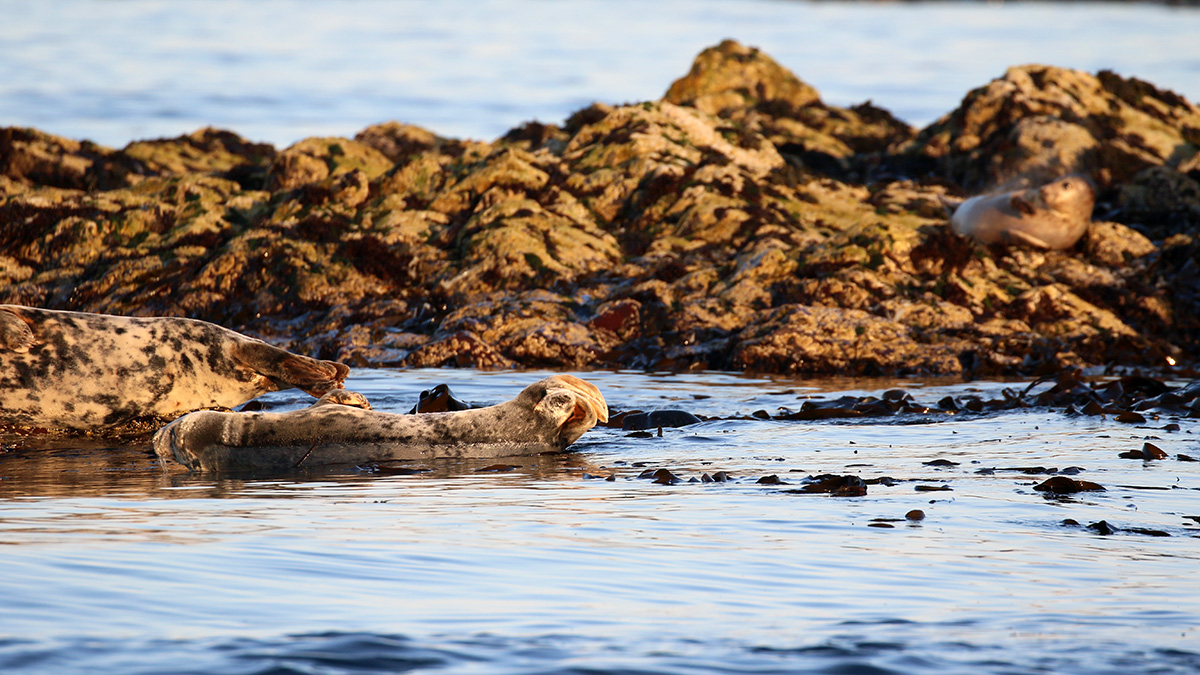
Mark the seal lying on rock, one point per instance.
(1054, 215)
(78, 371)
(546, 416)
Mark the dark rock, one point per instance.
(661, 476)
(1061, 485)
(1152, 451)
(1030, 470)
(1148, 531)
(838, 486)
(656, 419)
(438, 399)
(1148, 452)
(933, 488)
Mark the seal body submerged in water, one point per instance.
(546, 416)
(79, 371)
(1054, 215)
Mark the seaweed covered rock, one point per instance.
(316, 159)
(748, 87)
(1040, 122)
(831, 341)
(739, 223)
(730, 76)
(29, 158)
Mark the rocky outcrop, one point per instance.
(1040, 122)
(739, 223)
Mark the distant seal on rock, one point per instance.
(547, 416)
(79, 371)
(1053, 216)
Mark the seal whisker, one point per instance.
(307, 454)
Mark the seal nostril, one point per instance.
(577, 415)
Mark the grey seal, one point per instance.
(80, 371)
(1052, 216)
(547, 416)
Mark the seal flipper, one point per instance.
(15, 334)
(1022, 206)
(291, 370)
(1025, 238)
(950, 205)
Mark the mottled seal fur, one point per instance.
(78, 371)
(1053, 216)
(545, 417)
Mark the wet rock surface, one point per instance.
(738, 223)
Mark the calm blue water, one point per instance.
(281, 70)
(111, 565)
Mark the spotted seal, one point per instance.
(79, 371)
(547, 416)
(1054, 215)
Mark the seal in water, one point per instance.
(545, 417)
(79, 371)
(1054, 215)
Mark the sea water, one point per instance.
(114, 71)
(573, 563)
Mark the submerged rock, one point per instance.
(738, 223)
